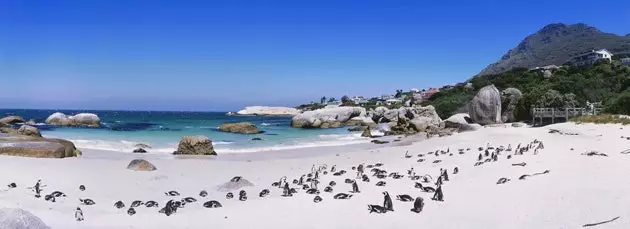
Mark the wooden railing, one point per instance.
(565, 114)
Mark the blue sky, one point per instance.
(223, 55)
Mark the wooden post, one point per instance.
(566, 114)
(533, 116)
(553, 115)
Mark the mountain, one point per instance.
(555, 44)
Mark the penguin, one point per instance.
(407, 155)
(487, 153)
(295, 181)
(203, 193)
(212, 204)
(418, 205)
(480, 148)
(78, 214)
(37, 189)
(439, 181)
(282, 181)
(325, 172)
(369, 166)
(236, 179)
(438, 195)
(305, 187)
(317, 199)
(455, 170)
(172, 193)
(178, 204)
(293, 191)
(242, 195)
(328, 189)
(355, 187)
(136, 204)
(286, 192)
(131, 211)
(189, 200)
(275, 184)
(242, 198)
(424, 189)
(503, 180)
(119, 204)
(445, 175)
(333, 169)
(365, 178)
(50, 198)
(348, 181)
(387, 202)
(378, 164)
(87, 202)
(381, 176)
(420, 155)
(380, 183)
(420, 160)
(332, 183)
(342, 196)
(480, 157)
(169, 208)
(360, 169)
(151, 204)
(404, 198)
(58, 194)
(12, 185)
(229, 195)
(509, 157)
(376, 208)
(312, 191)
(264, 193)
(82, 188)
(301, 181)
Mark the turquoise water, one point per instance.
(162, 130)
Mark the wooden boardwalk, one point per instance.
(563, 114)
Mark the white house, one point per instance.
(359, 100)
(590, 57)
(414, 90)
(392, 101)
(626, 61)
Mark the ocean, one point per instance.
(162, 130)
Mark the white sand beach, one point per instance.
(577, 190)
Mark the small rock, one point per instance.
(139, 150)
(256, 139)
(141, 165)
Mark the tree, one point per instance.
(332, 99)
(398, 93)
(345, 99)
(323, 100)
(620, 105)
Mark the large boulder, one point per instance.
(510, 98)
(360, 121)
(461, 122)
(327, 117)
(485, 107)
(27, 146)
(82, 120)
(268, 111)
(29, 131)
(11, 120)
(17, 218)
(141, 165)
(195, 145)
(240, 127)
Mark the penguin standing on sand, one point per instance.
(78, 214)
(37, 189)
(455, 170)
(438, 196)
(333, 169)
(355, 187)
(387, 202)
(418, 205)
(360, 171)
(445, 175)
(480, 157)
(301, 181)
(439, 181)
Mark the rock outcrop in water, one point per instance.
(27, 130)
(327, 117)
(240, 127)
(78, 120)
(195, 145)
(485, 107)
(268, 111)
(11, 120)
(27, 146)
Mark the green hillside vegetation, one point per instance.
(568, 87)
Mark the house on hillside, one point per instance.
(590, 57)
(414, 90)
(429, 93)
(360, 100)
(626, 61)
(393, 101)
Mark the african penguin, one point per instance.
(380, 183)
(229, 195)
(317, 199)
(212, 204)
(404, 198)
(418, 205)
(119, 204)
(203, 193)
(151, 204)
(131, 211)
(87, 201)
(387, 202)
(172, 193)
(78, 214)
(376, 209)
(264, 192)
(82, 188)
(342, 196)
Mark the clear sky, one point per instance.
(223, 55)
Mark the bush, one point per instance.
(620, 105)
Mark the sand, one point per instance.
(577, 190)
